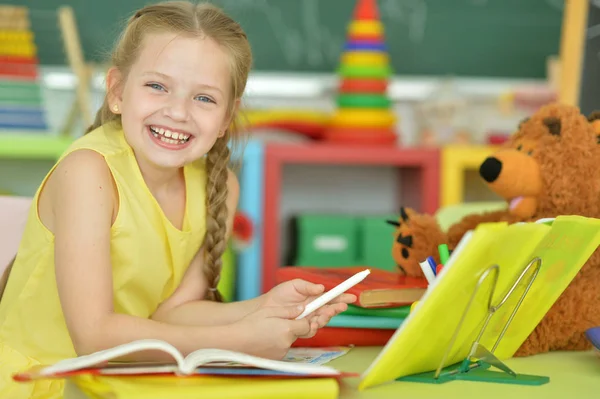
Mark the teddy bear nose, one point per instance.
(490, 169)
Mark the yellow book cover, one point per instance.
(420, 344)
(154, 387)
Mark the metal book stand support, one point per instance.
(476, 366)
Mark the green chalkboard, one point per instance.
(497, 38)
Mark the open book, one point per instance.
(214, 362)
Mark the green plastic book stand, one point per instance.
(481, 365)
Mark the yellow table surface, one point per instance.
(572, 375)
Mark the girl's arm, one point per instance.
(79, 205)
(186, 305)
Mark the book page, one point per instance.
(102, 357)
(215, 356)
(315, 355)
(301, 355)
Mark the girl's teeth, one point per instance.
(169, 137)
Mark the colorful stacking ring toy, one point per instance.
(364, 113)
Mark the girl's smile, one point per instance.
(170, 139)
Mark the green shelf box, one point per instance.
(376, 239)
(325, 240)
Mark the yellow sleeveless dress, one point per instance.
(149, 258)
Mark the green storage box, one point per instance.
(376, 239)
(325, 240)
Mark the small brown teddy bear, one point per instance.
(549, 167)
(415, 239)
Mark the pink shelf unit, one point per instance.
(419, 168)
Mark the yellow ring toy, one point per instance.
(15, 35)
(18, 49)
(365, 58)
(370, 28)
(364, 117)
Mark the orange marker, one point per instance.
(438, 269)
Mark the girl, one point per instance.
(125, 235)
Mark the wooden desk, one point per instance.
(575, 375)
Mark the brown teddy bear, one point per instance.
(549, 167)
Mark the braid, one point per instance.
(215, 243)
(104, 115)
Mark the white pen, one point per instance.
(334, 292)
(427, 272)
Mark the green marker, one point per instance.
(444, 253)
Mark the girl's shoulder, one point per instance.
(107, 140)
(81, 177)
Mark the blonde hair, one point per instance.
(197, 20)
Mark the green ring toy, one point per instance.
(361, 71)
(363, 101)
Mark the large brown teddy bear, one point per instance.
(549, 167)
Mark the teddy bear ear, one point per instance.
(523, 121)
(403, 214)
(553, 125)
(594, 119)
(595, 115)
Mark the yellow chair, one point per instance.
(456, 159)
(13, 214)
(450, 214)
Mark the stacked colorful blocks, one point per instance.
(21, 103)
(364, 112)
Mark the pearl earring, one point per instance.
(116, 108)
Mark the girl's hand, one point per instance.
(270, 331)
(301, 292)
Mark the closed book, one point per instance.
(346, 336)
(399, 312)
(381, 288)
(365, 322)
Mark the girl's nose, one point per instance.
(177, 109)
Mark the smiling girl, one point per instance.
(125, 235)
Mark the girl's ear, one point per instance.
(231, 115)
(114, 90)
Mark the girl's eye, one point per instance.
(204, 99)
(155, 86)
